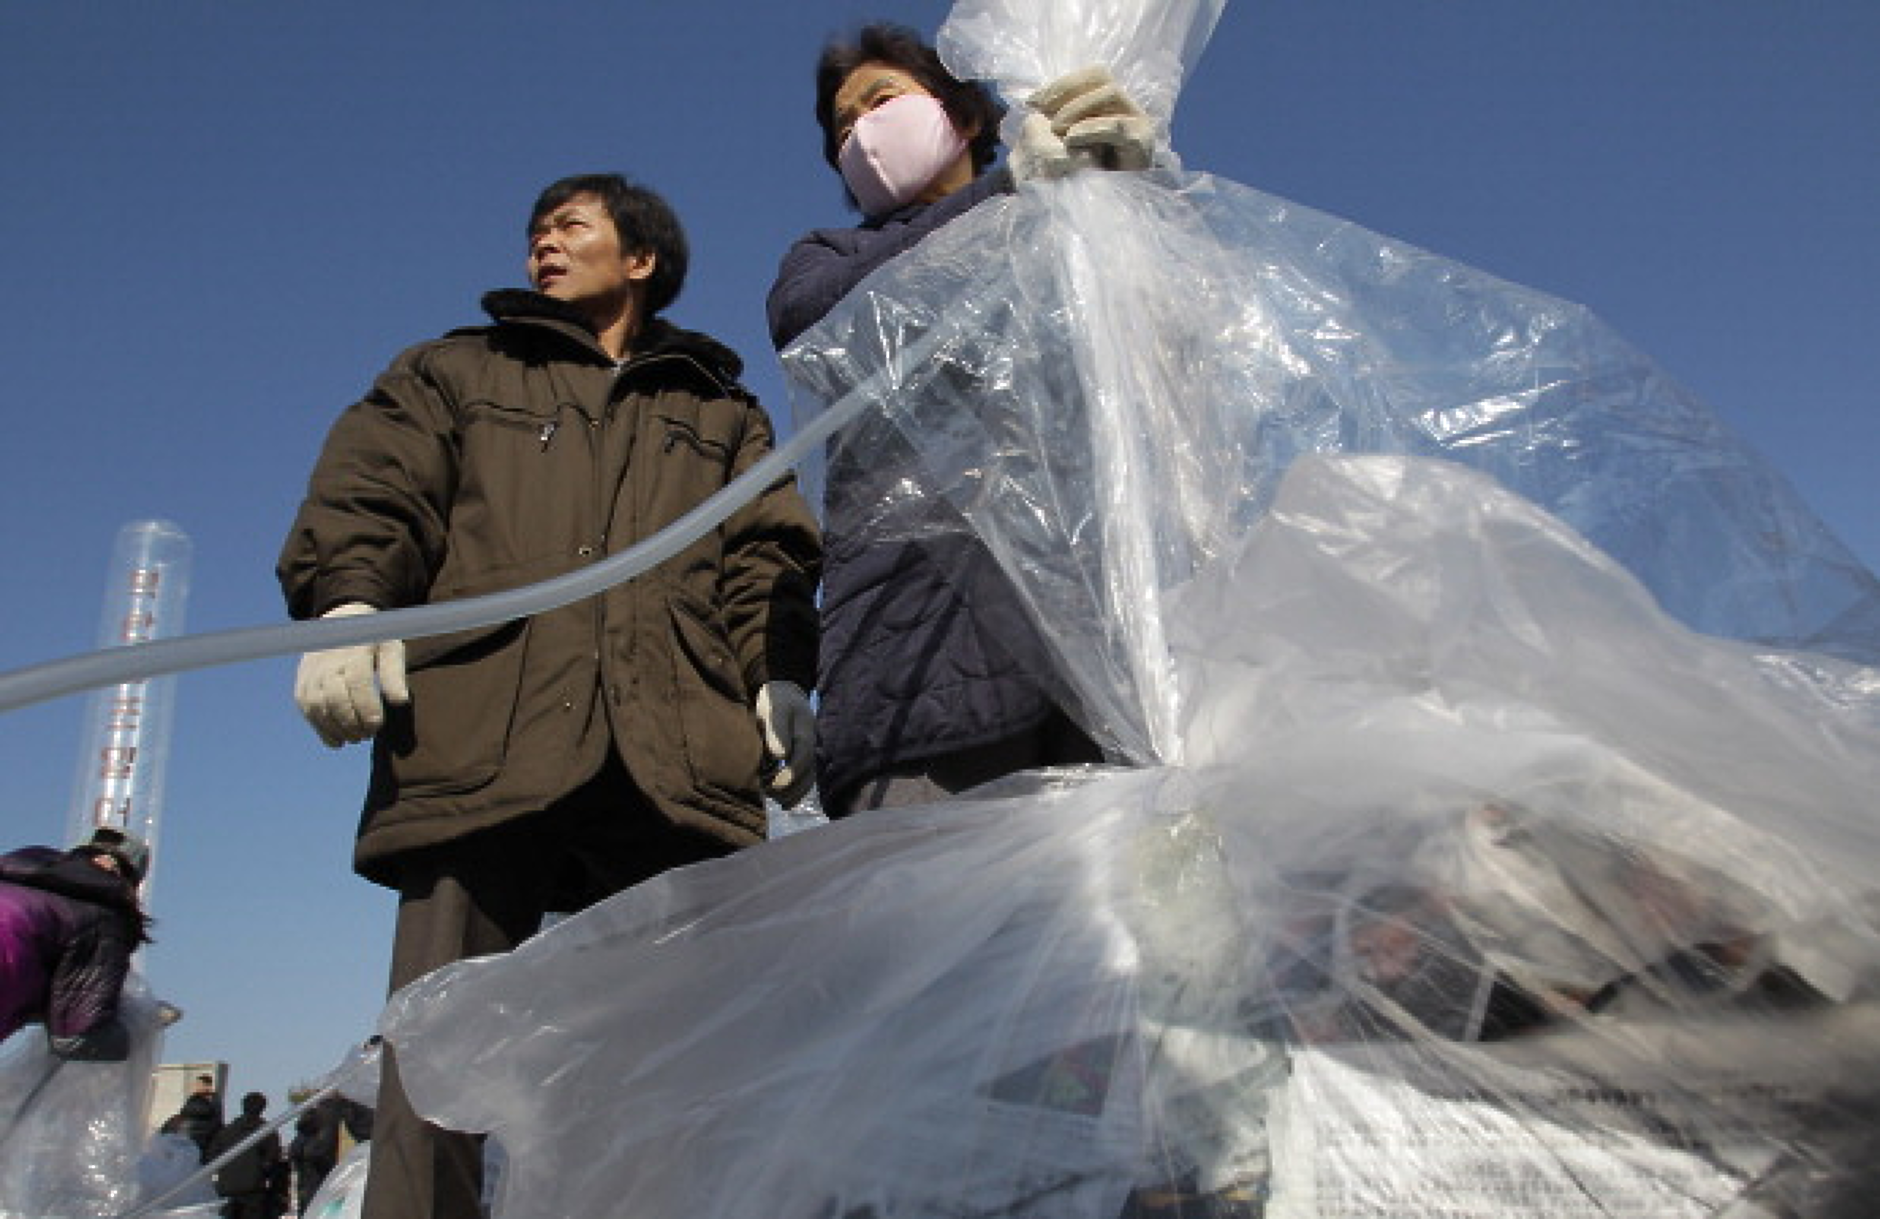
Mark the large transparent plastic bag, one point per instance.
(1454, 876)
(1497, 892)
(1104, 377)
(72, 1133)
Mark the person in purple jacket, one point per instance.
(69, 922)
(933, 679)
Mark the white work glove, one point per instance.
(1089, 122)
(1039, 153)
(343, 691)
(789, 729)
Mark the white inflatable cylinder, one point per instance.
(127, 726)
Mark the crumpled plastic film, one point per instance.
(1132, 360)
(171, 1168)
(1478, 898)
(342, 1195)
(1456, 873)
(71, 1133)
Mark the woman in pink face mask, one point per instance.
(896, 142)
(931, 675)
(913, 147)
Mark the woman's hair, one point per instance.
(137, 920)
(970, 105)
(141, 924)
(127, 905)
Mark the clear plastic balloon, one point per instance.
(71, 1133)
(126, 748)
(1116, 391)
(1487, 889)
(1123, 365)
(1454, 871)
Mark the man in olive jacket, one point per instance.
(544, 764)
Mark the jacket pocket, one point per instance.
(454, 735)
(540, 421)
(682, 435)
(721, 743)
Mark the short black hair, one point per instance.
(254, 1104)
(968, 103)
(645, 222)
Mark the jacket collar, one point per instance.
(657, 339)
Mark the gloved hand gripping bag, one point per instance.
(1455, 871)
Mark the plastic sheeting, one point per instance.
(1500, 894)
(71, 1133)
(72, 1142)
(171, 1167)
(1118, 369)
(342, 1195)
(1455, 874)
(356, 1078)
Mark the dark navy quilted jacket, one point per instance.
(925, 648)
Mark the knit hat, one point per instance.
(131, 852)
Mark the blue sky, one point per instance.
(219, 221)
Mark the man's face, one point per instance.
(575, 256)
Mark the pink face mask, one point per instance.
(895, 150)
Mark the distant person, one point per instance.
(546, 763)
(69, 922)
(354, 1118)
(313, 1152)
(246, 1182)
(201, 1114)
(278, 1183)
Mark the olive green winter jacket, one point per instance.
(502, 455)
